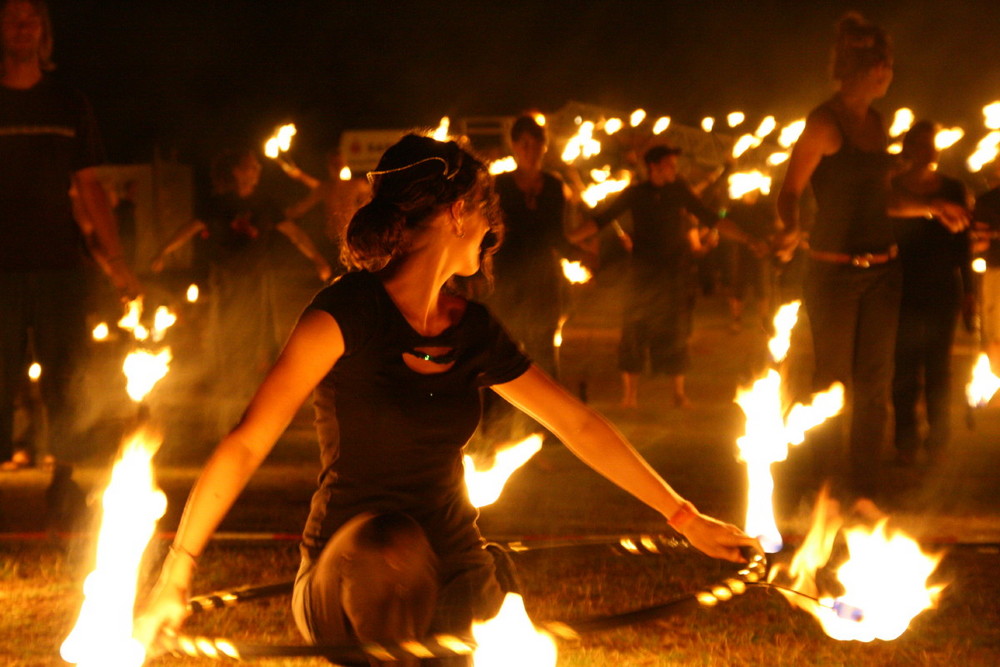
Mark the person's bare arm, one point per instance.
(602, 447)
(820, 137)
(97, 209)
(180, 237)
(312, 349)
(301, 240)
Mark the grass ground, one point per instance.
(555, 495)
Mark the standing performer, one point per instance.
(397, 358)
(660, 292)
(852, 286)
(238, 223)
(48, 144)
(529, 282)
(937, 286)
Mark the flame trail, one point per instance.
(743, 182)
(768, 432)
(485, 486)
(511, 638)
(132, 504)
(948, 137)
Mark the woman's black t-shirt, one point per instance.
(391, 438)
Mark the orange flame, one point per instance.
(101, 331)
(575, 272)
(345, 173)
(511, 638)
(637, 117)
(661, 124)
(193, 293)
(503, 165)
(790, 133)
(582, 144)
(883, 583)
(983, 384)
(735, 118)
(34, 371)
(768, 432)
(948, 137)
(485, 486)
(901, 122)
(743, 182)
(132, 504)
(597, 192)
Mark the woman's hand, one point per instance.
(165, 611)
(717, 539)
(954, 217)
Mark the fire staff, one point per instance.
(397, 358)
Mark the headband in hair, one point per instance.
(372, 174)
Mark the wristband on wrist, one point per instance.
(683, 515)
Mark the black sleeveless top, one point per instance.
(852, 195)
(391, 438)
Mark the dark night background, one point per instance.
(190, 77)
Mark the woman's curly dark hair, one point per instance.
(416, 178)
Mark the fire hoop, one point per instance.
(438, 646)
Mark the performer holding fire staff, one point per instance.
(238, 223)
(396, 358)
(852, 285)
(937, 286)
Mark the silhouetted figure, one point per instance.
(49, 144)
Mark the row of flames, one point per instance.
(884, 581)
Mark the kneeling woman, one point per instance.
(397, 357)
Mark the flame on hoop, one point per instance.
(707, 123)
(612, 125)
(743, 182)
(883, 585)
(345, 173)
(948, 137)
(637, 117)
(192, 293)
(485, 486)
(511, 638)
(735, 118)
(768, 432)
(132, 504)
(280, 141)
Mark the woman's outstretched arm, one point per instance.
(602, 447)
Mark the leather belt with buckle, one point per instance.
(862, 261)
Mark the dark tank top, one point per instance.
(851, 189)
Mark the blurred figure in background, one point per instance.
(49, 143)
(340, 195)
(853, 281)
(238, 223)
(660, 291)
(937, 287)
(986, 218)
(746, 251)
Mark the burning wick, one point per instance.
(485, 486)
(192, 293)
(575, 272)
(983, 384)
(769, 431)
(34, 371)
(132, 504)
(101, 331)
